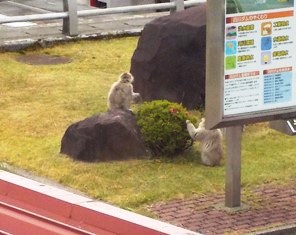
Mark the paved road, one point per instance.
(16, 36)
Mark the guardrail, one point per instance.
(71, 14)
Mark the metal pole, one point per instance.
(233, 167)
(128, 9)
(70, 24)
(34, 17)
(179, 6)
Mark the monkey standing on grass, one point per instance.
(121, 94)
(211, 142)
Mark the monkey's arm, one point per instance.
(136, 97)
(195, 133)
(134, 94)
(191, 129)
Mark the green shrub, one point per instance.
(163, 126)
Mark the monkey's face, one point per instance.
(126, 78)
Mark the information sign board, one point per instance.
(254, 78)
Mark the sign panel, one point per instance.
(259, 59)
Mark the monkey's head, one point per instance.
(126, 78)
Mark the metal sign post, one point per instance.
(179, 5)
(233, 167)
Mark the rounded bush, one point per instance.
(163, 126)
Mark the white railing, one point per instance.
(71, 14)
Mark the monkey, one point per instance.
(211, 142)
(121, 94)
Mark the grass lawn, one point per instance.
(38, 103)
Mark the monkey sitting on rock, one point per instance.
(211, 142)
(121, 94)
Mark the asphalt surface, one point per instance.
(20, 35)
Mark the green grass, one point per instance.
(38, 103)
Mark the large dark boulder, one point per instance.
(104, 137)
(169, 61)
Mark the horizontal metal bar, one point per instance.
(35, 17)
(93, 12)
(146, 7)
(190, 3)
(125, 9)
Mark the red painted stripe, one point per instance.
(26, 222)
(27, 206)
(110, 223)
(4, 233)
(38, 200)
